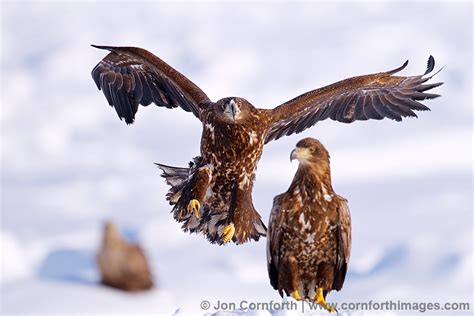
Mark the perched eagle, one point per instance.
(213, 196)
(309, 231)
(122, 265)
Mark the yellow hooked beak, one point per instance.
(300, 154)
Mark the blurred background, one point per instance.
(68, 163)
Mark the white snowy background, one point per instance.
(68, 163)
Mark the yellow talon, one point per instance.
(320, 296)
(194, 206)
(321, 301)
(296, 295)
(228, 232)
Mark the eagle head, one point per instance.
(310, 151)
(233, 110)
(111, 233)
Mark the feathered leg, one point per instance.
(326, 274)
(202, 181)
(289, 277)
(243, 222)
(295, 277)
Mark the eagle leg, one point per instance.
(228, 233)
(194, 206)
(295, 277)
(201, 184)
(319, 298)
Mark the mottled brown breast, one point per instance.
(232, 151)
(310, 229)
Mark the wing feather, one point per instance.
(129, 76)
(273, 242)
(370, 110)
(375, 96)
(343, 244)
(383, 108)
(359, 113)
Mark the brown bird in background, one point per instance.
(122, 265)
(309, 231)
(214, 195)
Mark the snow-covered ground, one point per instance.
(68, 163)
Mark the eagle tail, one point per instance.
(180, 181)
(211, 223)
(176, 178)
(258, 228)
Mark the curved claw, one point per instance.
(228, 233)
(194, 206)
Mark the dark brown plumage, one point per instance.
(213, 195)
(122, 265)
(309, 231)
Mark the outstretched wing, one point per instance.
(343, 244)
(130, 76)
(373, 96)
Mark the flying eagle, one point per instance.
(309, 231)
(122, 265)
(213, 196)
